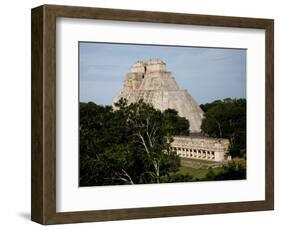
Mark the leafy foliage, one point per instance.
(129, 145)
(175, 124)
(231, 171)
(177, 177)
(227, 119)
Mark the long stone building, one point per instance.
(151, 82)
(211, 149)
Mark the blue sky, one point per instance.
(207, 74)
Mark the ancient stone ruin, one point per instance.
(202, 148)
(151, 82)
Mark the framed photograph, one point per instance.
(139, 114)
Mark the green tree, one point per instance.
(210, 175)
(227, 119)
(177, 177)
(232, 171)
(149, 139)
(128, 145)
(175, 124)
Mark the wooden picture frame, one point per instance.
(43, 208)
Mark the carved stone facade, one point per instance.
(203, 148)
(150, 81)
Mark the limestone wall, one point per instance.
(138, 67)
(212, 149)
(151, 82)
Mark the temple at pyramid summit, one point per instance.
(152, 82)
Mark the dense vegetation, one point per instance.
(131, 144)
(232, 171)
(227, 119)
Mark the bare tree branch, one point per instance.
(127, 175)
(123, 178)
(143, 143)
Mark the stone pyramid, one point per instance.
(150, 81)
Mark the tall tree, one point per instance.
(227, 119)
(175, 124)
(129, 145)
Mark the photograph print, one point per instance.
(153, 114)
